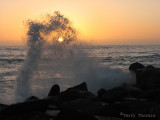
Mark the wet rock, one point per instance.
(77, 103)
(55, 90)
(37, 116)
(79, 91)
(148, 78)
(152, 94)
(74, 94)
(101, 92)
(52, 107)
(85, 106)
(135, 66)
(119, 93)
(31, 98)
(52, 113)
(112, 95)
(135, 99)
(150, 67)
(81, 87)
(133, 91)
(69, 114)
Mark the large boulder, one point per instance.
(119, 93)
(148, 78)
(152, 95)
(81, 87)
(135, 66)
(55, 90)
(79, 91)
(69, 95)
(113, 95)
(133, 91)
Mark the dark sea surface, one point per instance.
(114, 57)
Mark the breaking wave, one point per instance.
(65, 59)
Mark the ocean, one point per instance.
(99, 65)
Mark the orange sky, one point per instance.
(98, 21)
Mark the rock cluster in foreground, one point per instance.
(139, 101)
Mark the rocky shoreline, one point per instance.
(125, 102)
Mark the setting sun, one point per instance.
(109, 22)
(60, 39)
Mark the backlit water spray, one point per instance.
(56, 26)
(53, 49)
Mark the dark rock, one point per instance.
(148, 78)
(133, 91)
(119, 93)
(152, 95)
(135, 66)
(79, 91)
(69, 95)
(25, 107)
(150, 67)
(2, 106)
(85, 106)
(135, 99)
(52, 113)
(69, 114)
(101, 92)
(55, 90)
(36, 116)
(54, 99)
(81, 87)
(31, 98)
(114, 94)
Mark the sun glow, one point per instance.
(60, 39)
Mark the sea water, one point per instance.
(101, 66)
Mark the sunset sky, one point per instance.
(98, 21)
